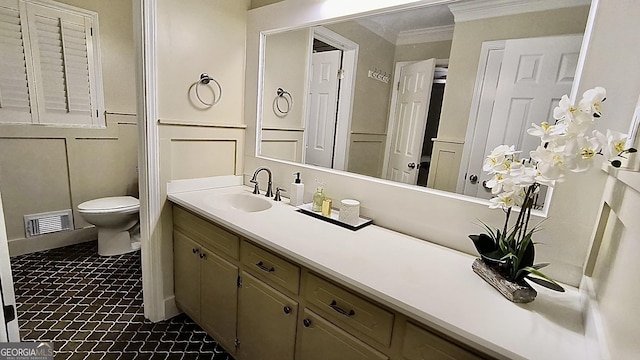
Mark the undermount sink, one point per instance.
(243, 202)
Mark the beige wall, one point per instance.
(259, 3)
(286, 62)
(423, 51)
(370, 100)
(467, 42)
(197, 36)
(612, 63)
(46, 169)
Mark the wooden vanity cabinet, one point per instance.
(266, 321)
(186, 273)
(258, 304)
(205, 284)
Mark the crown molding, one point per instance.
(426, 35)
(483, 9)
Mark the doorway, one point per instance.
(414, 118)
(328, 145)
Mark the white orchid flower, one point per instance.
(612, 144)
(504, 201)
(580, 153)
(565, 110)
(497, 157)
(547, 132)
(523, 174)
(550, 162)
(592, 100)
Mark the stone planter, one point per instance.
(519, 292)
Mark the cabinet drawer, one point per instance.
(208, 235)
(318, 339)
(271, 268)
(349, 309)
(419, 344)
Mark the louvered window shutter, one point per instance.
(63, 63)
(16, 102)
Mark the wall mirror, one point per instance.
(412, 97)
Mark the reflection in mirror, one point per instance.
(392, 95)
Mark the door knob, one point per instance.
(473, 179)
(411, 165)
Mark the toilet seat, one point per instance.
(119, 204)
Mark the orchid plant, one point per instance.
(568, 144)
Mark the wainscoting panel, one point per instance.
(445, 165)
(202, 158)
(366, 154)
(33, 179)
(282, 144)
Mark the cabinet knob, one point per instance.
(194, 250)
(306, 322)
(287, 310)
(202, 256)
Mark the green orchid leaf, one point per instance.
(542, 279)
(484, 243)
(540, 265)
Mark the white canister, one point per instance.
(350, 211)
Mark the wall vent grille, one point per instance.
(49, 222)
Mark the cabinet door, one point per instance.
(219, 298)
(266, 321)
(420, 344)
(186, 275)
(319, 339)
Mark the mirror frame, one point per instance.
(292, 15)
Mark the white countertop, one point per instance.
(427, 282)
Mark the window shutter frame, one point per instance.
(62, 52)
(17, 116)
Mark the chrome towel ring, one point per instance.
(288, 99)
(205, 79)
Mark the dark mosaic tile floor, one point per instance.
(91, 308)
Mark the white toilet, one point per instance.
(114, 217)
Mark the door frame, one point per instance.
(346, 93)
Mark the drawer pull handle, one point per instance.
(338, 309)
(287, 310)
(306, 322)
(261, 266)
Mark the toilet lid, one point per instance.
(110, 203)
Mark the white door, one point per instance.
(323, 104)
(8, 322)
(535, 73)
(410, 119)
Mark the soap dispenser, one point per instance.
(297, 191)
(318, 197)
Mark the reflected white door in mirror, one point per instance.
(520, 82)
(409, 121)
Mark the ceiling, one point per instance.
(390, 25)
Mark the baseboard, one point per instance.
(594, 332)
(51, 241)
(170, 308)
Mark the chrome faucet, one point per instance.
(254, 180)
